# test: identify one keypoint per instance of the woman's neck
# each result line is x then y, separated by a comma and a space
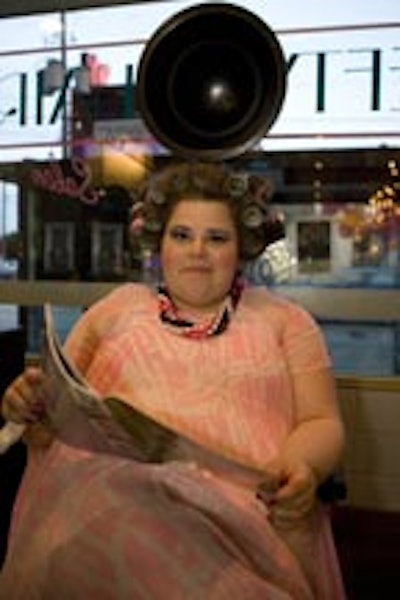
196, 313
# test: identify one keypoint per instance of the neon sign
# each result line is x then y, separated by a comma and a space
77, 184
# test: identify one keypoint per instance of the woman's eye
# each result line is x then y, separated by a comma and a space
183, 234
218, 237
179, 234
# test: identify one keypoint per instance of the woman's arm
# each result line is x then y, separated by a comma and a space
318, 435
311, 451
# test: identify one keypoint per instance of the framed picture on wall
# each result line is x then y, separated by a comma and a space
107, 249
314, 246
59, 247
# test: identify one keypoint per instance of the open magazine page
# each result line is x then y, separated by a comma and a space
80, 418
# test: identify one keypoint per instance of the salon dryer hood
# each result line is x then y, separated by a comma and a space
211, 82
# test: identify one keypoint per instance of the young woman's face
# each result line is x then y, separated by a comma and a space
199, 254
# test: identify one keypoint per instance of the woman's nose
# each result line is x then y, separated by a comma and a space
198, 246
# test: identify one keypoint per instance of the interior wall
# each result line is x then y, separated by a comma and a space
371, 469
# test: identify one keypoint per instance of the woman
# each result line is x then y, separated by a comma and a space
240, 375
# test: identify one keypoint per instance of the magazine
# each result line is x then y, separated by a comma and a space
79, 417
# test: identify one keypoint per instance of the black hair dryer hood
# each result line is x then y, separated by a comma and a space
211, 82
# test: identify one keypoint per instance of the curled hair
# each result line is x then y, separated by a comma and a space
246, 195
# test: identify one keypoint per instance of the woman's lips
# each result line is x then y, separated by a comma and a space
197, 269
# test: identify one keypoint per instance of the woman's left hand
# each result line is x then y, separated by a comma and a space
289, 492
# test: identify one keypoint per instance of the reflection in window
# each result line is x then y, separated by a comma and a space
340, 246
314, 252
9, 235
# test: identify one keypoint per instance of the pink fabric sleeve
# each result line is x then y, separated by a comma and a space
303, 341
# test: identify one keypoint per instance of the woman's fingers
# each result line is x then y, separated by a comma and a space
23, 400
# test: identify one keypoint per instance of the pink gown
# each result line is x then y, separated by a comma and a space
89, 525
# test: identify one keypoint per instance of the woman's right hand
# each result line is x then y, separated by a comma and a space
22, 401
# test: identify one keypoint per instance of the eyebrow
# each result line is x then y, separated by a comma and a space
208, 230
219, 231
